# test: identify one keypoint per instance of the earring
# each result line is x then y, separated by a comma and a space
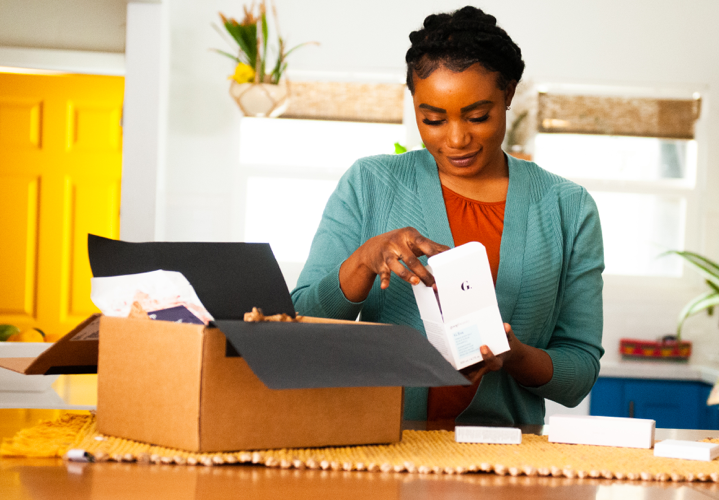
509, 107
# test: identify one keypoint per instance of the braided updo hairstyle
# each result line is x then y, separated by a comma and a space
460, 39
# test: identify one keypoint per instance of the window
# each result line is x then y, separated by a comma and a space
638, 159
288, 170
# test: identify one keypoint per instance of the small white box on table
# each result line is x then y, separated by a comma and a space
487, 435
602, 431
689, 450
464, 313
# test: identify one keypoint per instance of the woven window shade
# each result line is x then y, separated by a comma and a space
359, 102
643, 117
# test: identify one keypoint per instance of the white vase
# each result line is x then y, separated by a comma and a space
261, 99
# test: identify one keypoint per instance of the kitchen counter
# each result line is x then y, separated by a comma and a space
659, 370
67, 392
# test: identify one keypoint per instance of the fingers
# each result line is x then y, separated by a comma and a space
418, 245
394, 264
384, 277
489, 363
475, 374
424, 246
492, 362
417, 270
397, 252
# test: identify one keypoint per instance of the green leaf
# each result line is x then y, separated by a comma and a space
399, 149
235, 31
706, 267
297, 47
237, 59
246, 38
704, 301
265, 35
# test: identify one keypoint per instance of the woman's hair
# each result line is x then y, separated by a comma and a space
460, 39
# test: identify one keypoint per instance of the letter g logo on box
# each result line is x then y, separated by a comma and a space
465, 286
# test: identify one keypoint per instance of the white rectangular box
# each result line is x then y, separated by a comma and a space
689, 450
487, 435
602, 431
463, 315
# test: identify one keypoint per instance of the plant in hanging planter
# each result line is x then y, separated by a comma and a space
257, 85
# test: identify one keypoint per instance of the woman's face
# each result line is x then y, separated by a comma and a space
462, 120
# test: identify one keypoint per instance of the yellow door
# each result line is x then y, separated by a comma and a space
60, 170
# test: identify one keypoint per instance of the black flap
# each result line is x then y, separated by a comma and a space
229, 278
311, 355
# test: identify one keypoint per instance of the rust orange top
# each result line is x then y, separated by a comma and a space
469, 220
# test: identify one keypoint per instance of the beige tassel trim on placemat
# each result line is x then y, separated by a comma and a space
422, 452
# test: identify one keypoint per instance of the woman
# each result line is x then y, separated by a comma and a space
542, 232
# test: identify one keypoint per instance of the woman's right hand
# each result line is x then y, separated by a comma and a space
392, 252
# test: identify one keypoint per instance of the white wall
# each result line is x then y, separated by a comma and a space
142, 215
96, 25
672, 43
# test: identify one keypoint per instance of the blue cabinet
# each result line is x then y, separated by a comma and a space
674, 404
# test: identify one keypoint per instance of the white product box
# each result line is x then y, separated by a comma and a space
488, 435
463, 315
602, 431
690, 450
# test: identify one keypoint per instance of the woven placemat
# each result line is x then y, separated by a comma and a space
422, 452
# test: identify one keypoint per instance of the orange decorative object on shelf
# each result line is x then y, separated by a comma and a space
666, 348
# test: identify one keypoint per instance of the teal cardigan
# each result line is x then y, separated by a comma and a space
549, 284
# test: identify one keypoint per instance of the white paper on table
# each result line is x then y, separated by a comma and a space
114, 295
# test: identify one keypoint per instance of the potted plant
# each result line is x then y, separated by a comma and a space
707, 300
257, 85
672, 346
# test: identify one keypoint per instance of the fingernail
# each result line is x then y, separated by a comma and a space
414, 280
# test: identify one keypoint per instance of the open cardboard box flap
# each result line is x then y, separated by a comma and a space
76, 352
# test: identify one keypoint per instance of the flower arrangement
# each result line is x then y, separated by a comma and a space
252, 37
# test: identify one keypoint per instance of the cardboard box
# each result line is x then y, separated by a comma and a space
172, 384
242, 385
463, 315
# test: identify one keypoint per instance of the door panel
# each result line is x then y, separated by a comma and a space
93, 128
95, 206
19, 208
60, 170
20, 124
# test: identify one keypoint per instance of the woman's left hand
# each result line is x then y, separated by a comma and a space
529, 366
490, 362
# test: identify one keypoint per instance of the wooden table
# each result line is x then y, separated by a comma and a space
24, 479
